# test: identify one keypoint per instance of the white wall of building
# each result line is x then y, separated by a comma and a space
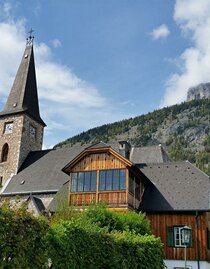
171, 264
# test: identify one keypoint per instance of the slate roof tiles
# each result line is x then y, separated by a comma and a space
175, 186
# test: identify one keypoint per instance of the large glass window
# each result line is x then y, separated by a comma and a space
114, 179
122, 179
83, 181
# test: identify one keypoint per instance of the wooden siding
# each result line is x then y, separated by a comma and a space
132, 201
159, 223
101, 161
82, 199
98, 161
113, 198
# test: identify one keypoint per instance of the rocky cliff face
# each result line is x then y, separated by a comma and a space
199, 92
183, 129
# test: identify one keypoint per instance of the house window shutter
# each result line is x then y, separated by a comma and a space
190, 242
208, 238
170, 236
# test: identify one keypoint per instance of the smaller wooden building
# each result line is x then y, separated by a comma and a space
101, 174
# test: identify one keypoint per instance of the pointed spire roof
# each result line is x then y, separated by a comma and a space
23, 96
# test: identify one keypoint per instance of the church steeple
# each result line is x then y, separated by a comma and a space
21, 127
23, 96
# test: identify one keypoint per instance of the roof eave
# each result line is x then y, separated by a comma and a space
22, 111
28, 192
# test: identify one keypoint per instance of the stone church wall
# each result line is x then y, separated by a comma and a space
13, 139
20, 142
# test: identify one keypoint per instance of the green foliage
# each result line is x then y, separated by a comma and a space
196, 113
104, 239
22, 239
95, 238
146, 124
206, 143
179, 150
124, 221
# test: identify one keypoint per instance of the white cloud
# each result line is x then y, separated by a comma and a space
56, 43
193, 18
161, 31
68, 103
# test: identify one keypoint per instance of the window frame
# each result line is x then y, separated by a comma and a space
119, 183
93, 176
171, 237
8, 131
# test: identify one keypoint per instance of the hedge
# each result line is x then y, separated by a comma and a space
99, 238
23, 239
93, 239
82, 245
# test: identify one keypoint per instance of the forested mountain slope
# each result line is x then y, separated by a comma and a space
183, 129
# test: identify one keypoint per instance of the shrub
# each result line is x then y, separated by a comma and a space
22, 239
76, 245
120, 221
95, 238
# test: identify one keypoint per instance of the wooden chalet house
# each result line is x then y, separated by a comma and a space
172, 195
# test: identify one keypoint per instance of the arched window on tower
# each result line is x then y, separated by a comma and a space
4, 154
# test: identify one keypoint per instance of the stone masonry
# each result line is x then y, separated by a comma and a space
20, 142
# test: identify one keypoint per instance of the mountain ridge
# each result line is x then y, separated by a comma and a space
183, 129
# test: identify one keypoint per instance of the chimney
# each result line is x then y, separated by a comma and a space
124, 149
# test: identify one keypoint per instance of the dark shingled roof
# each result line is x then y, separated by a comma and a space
23, 96
151, 154
175, 186
41, 171
101, 144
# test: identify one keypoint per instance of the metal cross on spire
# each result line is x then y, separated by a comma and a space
30, 38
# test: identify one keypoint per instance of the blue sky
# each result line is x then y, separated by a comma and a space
102, 61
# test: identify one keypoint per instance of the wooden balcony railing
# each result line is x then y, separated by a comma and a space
110, 198
80, 199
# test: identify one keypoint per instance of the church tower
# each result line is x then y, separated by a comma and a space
21, 127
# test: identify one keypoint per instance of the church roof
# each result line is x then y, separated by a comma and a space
42, 170
175, 186
23, 96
